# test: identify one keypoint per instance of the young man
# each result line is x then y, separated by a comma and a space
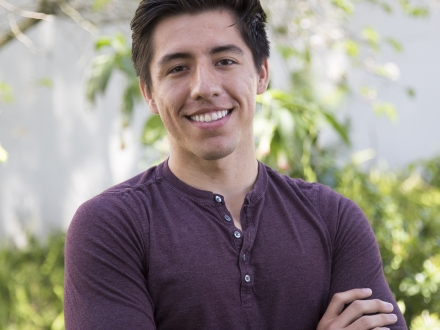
211, 238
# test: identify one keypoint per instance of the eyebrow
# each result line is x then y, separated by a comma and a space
185, 55
227, 48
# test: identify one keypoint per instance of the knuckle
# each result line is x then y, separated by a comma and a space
332, 326
338, 297
366, 321
357, 305
378, 304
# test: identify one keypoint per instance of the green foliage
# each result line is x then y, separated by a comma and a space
286, 129
413, 10
31, 285
426, 321
404, 210
103, 66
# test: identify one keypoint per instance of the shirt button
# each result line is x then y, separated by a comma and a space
247, 278
218, 199
237, 234
243, 257
227, 218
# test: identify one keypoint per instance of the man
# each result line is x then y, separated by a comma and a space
211, 238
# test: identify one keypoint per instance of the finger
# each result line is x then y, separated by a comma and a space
363, 307
341, 299
373, 322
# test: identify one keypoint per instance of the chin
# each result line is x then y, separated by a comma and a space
216, 154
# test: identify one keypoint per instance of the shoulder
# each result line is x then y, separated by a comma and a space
318, 194
119, 208
338, 212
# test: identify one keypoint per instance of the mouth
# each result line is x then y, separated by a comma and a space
210, 116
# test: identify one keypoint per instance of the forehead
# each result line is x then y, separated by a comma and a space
195, 32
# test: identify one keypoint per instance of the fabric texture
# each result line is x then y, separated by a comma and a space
155, 253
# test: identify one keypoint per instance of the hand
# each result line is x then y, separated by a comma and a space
353, 317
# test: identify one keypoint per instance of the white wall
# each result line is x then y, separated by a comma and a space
416, 133
61, 152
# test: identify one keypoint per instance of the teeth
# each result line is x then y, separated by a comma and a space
213, 116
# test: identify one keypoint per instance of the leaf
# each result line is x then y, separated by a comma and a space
397, 46
101, 71
341, 130
285, 124
127, 106
99, 4
5, 93
351, 48
287, 52
346, 5
3, 154
410, 9
153, 130
411, 92
372, 37
119, 44
102, 42
385, 109
45, 82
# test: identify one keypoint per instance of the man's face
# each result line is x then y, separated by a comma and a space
204, 84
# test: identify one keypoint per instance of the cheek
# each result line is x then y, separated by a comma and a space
245, 86
171, 101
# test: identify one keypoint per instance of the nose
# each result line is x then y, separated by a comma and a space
206, 83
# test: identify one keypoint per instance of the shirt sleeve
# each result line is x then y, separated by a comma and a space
106, 266
356, 258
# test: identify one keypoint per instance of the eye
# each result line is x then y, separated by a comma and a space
178, 69
225, 62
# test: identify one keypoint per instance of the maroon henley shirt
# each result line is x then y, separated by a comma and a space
155, 253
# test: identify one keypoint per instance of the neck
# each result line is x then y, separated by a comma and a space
230, 176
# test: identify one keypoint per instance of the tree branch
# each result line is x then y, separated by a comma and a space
19, 34
45, 11
23, 26
77, 17
25, 13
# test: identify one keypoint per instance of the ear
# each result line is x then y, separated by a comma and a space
148, 97
263, 77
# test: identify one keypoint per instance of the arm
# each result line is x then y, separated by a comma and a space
105, 268
356, 263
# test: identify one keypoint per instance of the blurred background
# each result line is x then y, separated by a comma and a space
353, 103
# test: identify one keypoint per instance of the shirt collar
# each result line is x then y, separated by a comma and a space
203, 195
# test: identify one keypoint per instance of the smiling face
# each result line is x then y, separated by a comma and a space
204, 85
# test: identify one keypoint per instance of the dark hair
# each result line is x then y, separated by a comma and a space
251, 24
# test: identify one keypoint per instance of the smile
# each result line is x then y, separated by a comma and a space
212, 116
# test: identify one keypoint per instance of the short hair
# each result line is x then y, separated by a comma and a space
251, 22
